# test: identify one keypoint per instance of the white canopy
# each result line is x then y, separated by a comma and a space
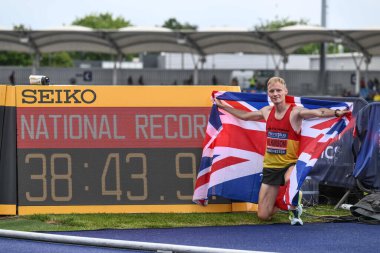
203, 42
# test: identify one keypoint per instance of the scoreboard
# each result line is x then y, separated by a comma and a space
83, 149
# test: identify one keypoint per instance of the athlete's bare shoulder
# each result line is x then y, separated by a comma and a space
266, 111
297, 109
295, 118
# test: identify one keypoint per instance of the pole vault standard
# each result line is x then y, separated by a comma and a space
109, 243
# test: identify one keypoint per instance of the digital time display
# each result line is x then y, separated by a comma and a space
107, 176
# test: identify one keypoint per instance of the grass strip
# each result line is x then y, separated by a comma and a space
72, 222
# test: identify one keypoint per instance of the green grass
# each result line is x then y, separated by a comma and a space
70, 222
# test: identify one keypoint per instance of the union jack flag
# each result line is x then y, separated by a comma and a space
233, 149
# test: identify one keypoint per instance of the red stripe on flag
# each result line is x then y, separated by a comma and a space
231, 160
325, 124
206, 140
237, 105
242, 139
314, 148
205, 179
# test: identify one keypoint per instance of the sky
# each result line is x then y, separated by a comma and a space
341, 14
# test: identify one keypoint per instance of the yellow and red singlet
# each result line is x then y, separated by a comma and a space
282, 141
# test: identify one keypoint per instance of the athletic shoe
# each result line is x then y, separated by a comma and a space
295, 215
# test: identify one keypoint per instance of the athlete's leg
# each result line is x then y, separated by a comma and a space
267, 198
280, 203
288, 173
295, 211
287, 178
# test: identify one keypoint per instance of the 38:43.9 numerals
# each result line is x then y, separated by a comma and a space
111, 167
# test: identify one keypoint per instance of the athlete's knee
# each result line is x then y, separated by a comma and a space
264, 216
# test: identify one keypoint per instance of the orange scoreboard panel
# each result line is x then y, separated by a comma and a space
8, 166
115, 149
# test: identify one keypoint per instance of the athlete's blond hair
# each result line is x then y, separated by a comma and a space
276, 79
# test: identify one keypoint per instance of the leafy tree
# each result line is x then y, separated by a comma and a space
279, 23
102, 21
21, 28
58, 59
311, 48
174, 24
10, 58
99, 21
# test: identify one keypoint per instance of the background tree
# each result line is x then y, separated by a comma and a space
311, 48
102, 21
57, 59
99, 21
9, 58
276, 24
174, 24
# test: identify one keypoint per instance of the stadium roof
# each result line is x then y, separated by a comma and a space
203, 42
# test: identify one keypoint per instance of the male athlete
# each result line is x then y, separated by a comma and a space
283, 127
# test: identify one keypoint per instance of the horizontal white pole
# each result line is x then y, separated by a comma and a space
110, 243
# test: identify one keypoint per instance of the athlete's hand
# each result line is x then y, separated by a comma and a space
340, 113
218, 103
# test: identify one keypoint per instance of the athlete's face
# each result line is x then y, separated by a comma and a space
277, 92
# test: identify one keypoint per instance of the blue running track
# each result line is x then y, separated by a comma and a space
313, 237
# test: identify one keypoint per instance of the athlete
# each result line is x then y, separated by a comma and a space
283, 127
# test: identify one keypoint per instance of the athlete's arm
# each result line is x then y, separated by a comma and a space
244, 115
321, 113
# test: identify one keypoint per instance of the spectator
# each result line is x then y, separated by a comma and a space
73, 80
362, 82
376, 83
260, 88
12, 78
371, 89
141, 80
252, 82
346, 93
363, 92
188, 81
191, 80
376, 98
370, 84
130, 80
214, 80
234, 81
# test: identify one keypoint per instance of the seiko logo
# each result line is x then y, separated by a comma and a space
41, 96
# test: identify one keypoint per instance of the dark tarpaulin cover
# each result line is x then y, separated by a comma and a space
336, 164
368, 209
367, 167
